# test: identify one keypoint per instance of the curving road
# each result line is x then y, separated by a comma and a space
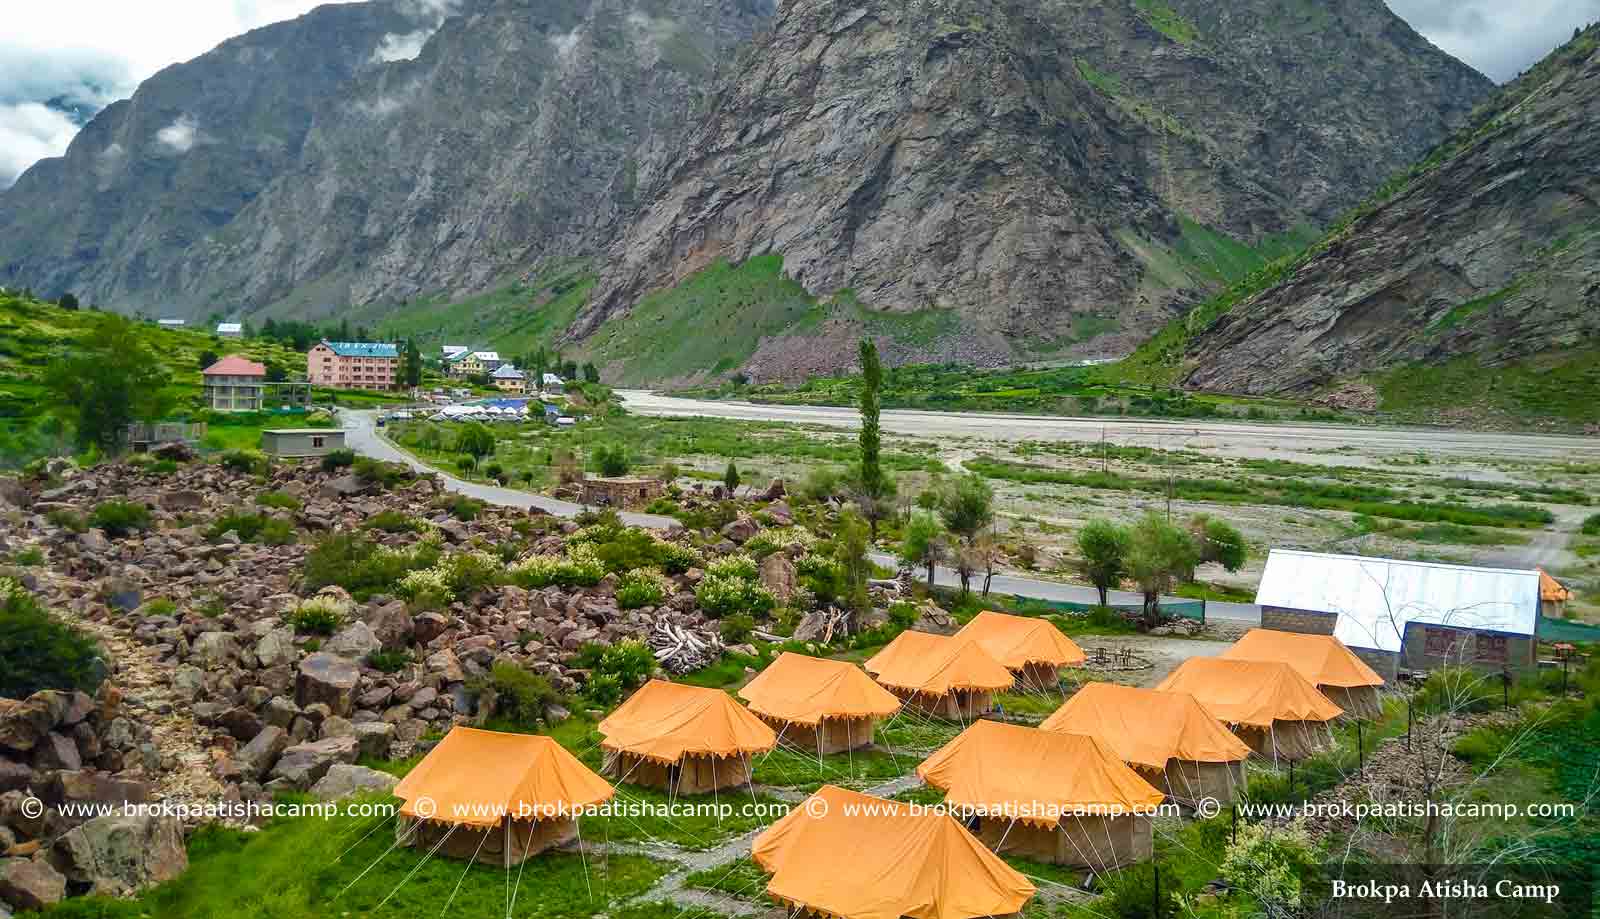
361, 435
1228, 437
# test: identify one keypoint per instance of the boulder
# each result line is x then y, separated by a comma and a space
276, 648
778, 575
345, 486
774, 491
14, 774
175, 450
741, 529
84, 785
374, 739
354, 641
427, 626
343, 780
930, 618
180, 500
24, 723
329, 679
213, 649
30, 884
446, 665
56, 751
120, 855
391, 623
302, 765
263, 750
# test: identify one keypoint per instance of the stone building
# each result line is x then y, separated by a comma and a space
620, 492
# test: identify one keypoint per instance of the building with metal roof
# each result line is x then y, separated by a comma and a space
1398, 614
363, 348
230, 329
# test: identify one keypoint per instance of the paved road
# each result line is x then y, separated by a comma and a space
361, 435
1236, 438
1033, 589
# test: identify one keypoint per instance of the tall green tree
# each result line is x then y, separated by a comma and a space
730, 478
1217, 541
475, 440
966, 507
108, 382
540, 363
1103, 555
923, 545
591, 373
850, 542
411, 365
1159, 554
876, 488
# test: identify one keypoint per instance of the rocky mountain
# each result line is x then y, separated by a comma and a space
1489, 250
1039, 168
390, 148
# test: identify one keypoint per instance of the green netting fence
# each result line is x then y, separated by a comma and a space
1181, 609
1562, 630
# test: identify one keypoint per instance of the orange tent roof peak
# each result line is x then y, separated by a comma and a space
1017, 641
1252, 693
846, 854
1146, 727
1036, 776
480, 777
667, 721
1322, 659
1551, 589
937, 664
805, 690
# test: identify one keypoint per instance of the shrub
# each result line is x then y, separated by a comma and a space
603, 690
395, 522
389, 661
364, 568
769, 541
1591, 525
643, 587
377, 472
318, 616
520, 695
1130, 893
724, 596
120, 518
335, 460
426, 587
278, 499
258, 528
736, 629
821, 483
38, 651
496, 472
578, 568
462, 507
28, 557
627, 550
466, 463
245, 462
277, 531
734, 566
67, 520
630, 661
1272, 866
160, 606
903, 615
676, 558
611, 460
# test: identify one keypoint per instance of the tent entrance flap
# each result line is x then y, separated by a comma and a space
489, 845
689, 775
1188, 782
830, 735
1360, 702
1285, 740
1096, 843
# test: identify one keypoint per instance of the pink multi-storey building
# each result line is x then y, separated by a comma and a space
354, 365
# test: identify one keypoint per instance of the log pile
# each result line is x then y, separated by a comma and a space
680, 650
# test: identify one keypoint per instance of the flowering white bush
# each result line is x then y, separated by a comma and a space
724, 595
733, 566
767, 542
536, 571
427, 585
320, 615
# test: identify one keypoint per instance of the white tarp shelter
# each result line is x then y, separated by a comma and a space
1376, 599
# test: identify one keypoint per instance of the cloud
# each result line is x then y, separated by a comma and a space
405, 46
179, 137
565, 43
29, 132
1499, 38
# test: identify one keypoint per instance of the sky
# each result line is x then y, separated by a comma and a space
94, 52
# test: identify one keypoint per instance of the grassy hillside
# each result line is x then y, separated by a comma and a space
516, 317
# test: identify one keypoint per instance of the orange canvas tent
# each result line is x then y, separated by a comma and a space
853, 856
496, 797
1332, 667
818, 704
1274, 709
1033, 649
1553, 596
940, 674
1168, 736
1060, 798
683, 738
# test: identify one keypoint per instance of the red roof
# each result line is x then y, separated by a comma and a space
235, 366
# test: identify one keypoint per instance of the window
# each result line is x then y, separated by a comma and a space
1442, 642
316, 442
1492, 649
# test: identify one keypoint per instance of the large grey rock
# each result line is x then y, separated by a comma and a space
263, 750
302, 765
354, 641
276, 648
374, 739
328, 679
30, 884
213, 649
391, 623
24, 723
343, 780
120, 855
